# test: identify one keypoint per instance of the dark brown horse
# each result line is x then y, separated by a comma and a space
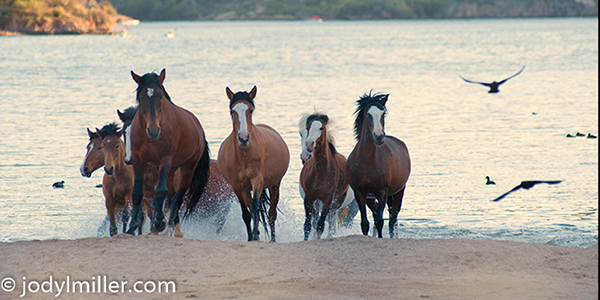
216, 199
171, 138
253, 158
323, 176
379, 164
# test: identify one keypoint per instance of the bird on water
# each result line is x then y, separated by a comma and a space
527, 185
59, 184
489, 181
495, 84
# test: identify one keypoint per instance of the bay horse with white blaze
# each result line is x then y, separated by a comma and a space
172, 139
323, 176
379, 164
349, 207
253, 158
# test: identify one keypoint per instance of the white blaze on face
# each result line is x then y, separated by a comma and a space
240, 110
376, 113
316, 128
128, 144
90, 148
305, 155
150, 92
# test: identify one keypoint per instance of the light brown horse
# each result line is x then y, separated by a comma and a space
94, 157
323, 176
253, 158
216, 200
117, 182
379, 164
170, 138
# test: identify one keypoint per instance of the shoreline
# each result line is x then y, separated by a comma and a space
349, 267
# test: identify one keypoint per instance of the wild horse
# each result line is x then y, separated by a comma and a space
379, 164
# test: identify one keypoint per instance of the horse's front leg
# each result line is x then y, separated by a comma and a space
309, 210
378, 213
136, 199
160, 193
174, 224
245, 200
394, 206
125, 217
324, 214
257, 190
361, 200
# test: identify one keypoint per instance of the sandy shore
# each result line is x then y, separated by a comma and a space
352, 267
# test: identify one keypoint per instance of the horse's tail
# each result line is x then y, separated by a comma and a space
263, 208
199, 181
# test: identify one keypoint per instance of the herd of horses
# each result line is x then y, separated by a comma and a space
159, 164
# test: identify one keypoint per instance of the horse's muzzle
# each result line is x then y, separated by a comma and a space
109, 171
378, 138
243, 139
127, 161
86, 172
153, 135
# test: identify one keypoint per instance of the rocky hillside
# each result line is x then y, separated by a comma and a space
57, 17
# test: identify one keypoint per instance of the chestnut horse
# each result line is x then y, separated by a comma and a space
323, 176
349, 208
379, 164
117, 182
94, 157
253, 158
171, 138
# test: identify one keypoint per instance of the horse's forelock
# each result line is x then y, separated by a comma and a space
128, 115
109, 129
241, 96
147, 80
321, 117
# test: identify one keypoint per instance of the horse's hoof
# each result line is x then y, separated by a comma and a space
159, 226
169, 232
178, 231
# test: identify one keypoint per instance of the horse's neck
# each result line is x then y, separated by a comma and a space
322, 154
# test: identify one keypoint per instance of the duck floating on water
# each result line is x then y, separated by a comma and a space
489, 181
59, 184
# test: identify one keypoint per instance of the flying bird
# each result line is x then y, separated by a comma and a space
527, 185
494, 85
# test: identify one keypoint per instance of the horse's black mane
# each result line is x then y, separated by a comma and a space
128, 115
240, 96
364, 103
147, 80
109, 129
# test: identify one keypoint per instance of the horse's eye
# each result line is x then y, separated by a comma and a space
100, 148
117, 147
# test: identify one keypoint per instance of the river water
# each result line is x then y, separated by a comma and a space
54, 87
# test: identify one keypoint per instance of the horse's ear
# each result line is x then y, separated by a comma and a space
120, 133
90, 134
384, 99
136, 77
162, 76
121, 115
253, 93
229, 93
